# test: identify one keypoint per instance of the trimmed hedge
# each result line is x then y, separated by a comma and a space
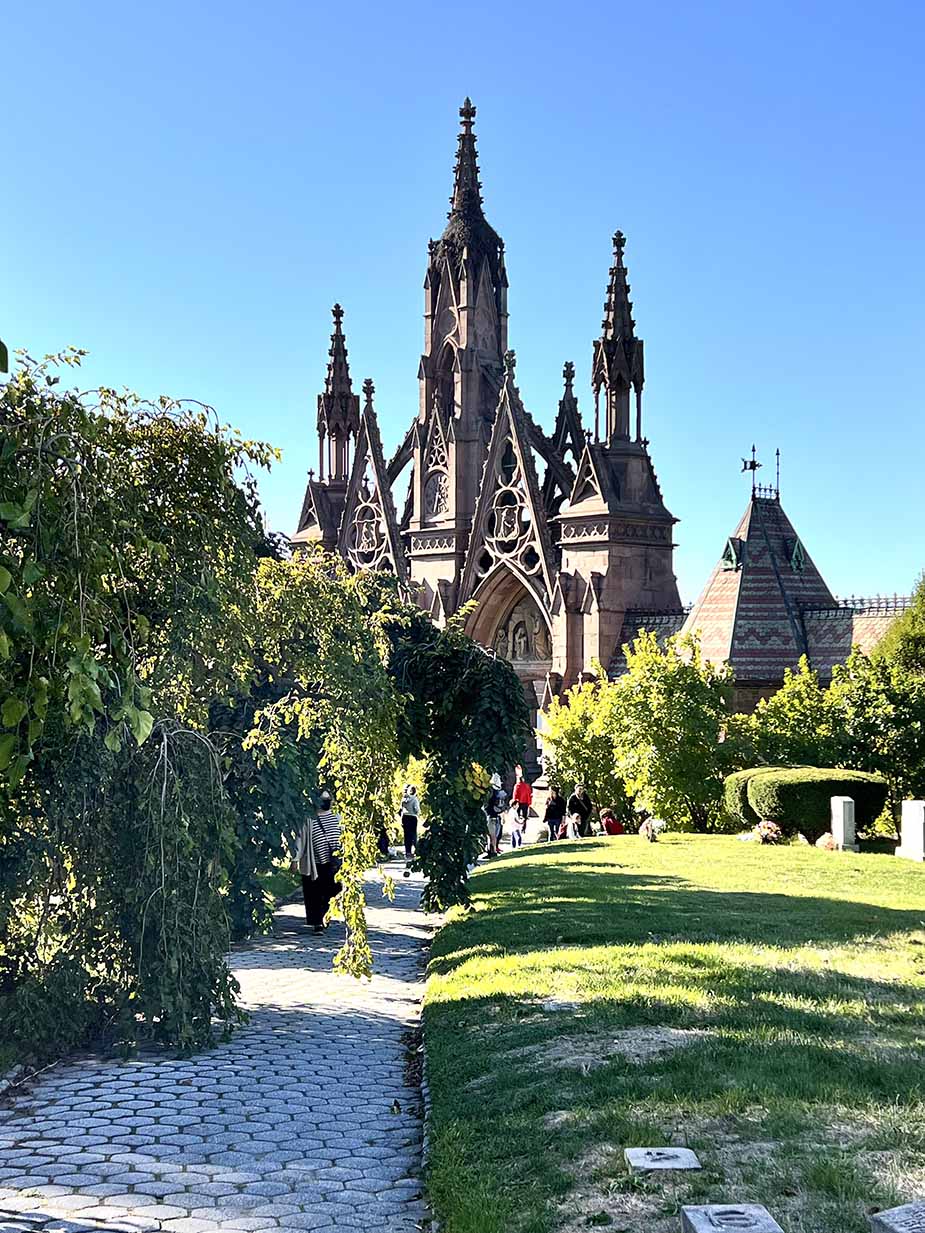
735, 794
799, 799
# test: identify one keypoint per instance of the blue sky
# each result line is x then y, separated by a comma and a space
188, 189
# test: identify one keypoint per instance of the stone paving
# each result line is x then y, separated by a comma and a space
303, 1120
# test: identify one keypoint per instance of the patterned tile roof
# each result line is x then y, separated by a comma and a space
751, 611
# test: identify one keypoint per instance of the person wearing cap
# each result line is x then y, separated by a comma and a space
318, 861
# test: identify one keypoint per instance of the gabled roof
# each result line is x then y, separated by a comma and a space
369, 536
510, 526
321, 512
751, 612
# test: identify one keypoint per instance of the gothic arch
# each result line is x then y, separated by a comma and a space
497, 595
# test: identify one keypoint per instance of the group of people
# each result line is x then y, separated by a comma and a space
317, 857
564, 818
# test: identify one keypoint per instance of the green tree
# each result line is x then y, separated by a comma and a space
462, 709
578, 742
797, 726
904, 642
878, 706
667, 724
127, 540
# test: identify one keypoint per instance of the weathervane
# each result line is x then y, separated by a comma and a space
751, 464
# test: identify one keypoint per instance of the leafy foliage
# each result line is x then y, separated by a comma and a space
127, 541
464, 710
903, 645
658, 729
578, 738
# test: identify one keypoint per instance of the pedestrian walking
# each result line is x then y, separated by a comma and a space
318, 862
410, 812
554, 813
522, 796
494, 807
516, 823
580, 807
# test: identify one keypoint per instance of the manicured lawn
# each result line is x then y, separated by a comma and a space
763, 1006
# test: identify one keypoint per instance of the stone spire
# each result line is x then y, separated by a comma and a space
467, 229
467, 187
618, 355
338, 408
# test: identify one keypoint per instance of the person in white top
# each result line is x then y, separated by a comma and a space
410, 812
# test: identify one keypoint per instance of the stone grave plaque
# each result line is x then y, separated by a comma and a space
910, 1218
748, 1217
649, 1159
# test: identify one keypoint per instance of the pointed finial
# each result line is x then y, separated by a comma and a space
619, 243
568, 372
467, 114
368, 390
751, 464
338, 314
311, 474
510, 363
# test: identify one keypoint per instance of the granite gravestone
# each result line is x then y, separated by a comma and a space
842, 826
912, 841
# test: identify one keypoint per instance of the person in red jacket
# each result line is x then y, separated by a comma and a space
522, 796
611, 825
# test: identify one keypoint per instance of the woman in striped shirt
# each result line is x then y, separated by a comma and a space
317, 860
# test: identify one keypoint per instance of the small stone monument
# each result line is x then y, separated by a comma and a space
910, 1218
650, 1159
912, 831
843, 824
729, 1216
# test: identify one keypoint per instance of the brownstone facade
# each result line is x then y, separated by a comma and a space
563, 540
557, 537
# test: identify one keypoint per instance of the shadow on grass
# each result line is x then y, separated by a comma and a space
575, 903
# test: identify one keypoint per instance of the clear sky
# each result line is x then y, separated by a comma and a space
187, 189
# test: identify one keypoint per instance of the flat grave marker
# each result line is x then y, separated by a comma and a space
651, 1159
749, 1217
910, 1218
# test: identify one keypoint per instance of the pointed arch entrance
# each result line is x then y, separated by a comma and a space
511, 620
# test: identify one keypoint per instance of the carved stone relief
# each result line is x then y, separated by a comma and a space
522, 636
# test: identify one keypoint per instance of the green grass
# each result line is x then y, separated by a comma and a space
803, 974
280, 882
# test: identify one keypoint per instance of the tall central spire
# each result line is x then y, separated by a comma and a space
467, 188
467, 227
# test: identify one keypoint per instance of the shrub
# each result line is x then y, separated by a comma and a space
735, 794
798, 799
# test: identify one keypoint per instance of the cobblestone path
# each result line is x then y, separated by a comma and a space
302, 1121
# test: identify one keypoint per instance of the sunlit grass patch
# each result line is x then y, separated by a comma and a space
793, 982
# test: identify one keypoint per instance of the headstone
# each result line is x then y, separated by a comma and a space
843, 824
648, 1159
730, 1216
910, 1218
912, 831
